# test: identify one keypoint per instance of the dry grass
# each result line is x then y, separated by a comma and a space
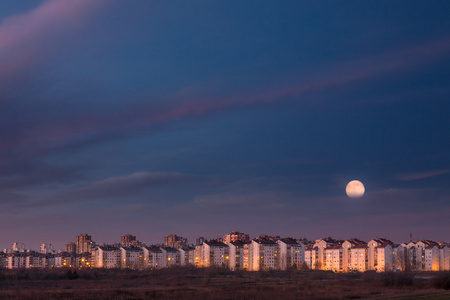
191, 283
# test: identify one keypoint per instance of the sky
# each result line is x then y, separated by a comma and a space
197, 118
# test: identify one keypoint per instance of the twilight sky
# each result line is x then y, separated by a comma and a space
202, 117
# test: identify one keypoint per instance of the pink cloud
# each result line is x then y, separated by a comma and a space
421, 175
26, 38
65, 130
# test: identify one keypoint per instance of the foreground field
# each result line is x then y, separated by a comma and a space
190, 283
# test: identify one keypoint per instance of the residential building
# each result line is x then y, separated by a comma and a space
199, 241
444, 256
236, 254
171, 257
84, 243
66, 260
15, 260
214, 253
187, 256
71, 247
175, 241
317, 255
127, 240
3, 260
291, 253
46, 248
18, 247
347, 245
333, 258
153, 257
359, 258
84, 260
236, 236
50, 260
132, 258
263, 255
422, 255
107, 257
386, 258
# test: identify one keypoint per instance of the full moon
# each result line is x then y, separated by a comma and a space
355, 189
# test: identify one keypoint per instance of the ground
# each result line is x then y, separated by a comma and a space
191, 283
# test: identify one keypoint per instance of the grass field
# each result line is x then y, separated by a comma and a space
191, 283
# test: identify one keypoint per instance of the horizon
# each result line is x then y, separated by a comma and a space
200, 117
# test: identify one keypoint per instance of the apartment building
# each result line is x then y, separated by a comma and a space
444, 256
359, 258
153, 257
214, 253
15, 260
347, 245
290, 253
35, 260
84, 243
237, 255
236, 236
132, 258
187, 256
333, 258
107, 257
263, 255
175, 241
171, 257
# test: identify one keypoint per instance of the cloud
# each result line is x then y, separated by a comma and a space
91, 127
28, 174
126, 185
29, 38
421, 175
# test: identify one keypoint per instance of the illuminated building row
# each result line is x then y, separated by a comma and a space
237, 252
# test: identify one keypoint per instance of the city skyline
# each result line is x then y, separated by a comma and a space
126, 240
202, 117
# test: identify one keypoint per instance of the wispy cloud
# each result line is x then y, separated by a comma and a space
29, 38
72, 132
421, 175
126, 185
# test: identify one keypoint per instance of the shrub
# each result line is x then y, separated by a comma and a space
442, 281
398, 279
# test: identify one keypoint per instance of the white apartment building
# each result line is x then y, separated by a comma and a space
153, 257
187, 256
373, 252
15, 260
214, 253
312, 257
444, 257
263, 255
107, 257
317, 256
132, 258
333, 258
423, 255
171, 256
237, 255
35, 260
384, 256
346, 252
359, 258
64, 259
290, 253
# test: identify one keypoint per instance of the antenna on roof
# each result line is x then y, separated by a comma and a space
410, 237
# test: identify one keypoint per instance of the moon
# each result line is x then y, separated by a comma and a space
355, 189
